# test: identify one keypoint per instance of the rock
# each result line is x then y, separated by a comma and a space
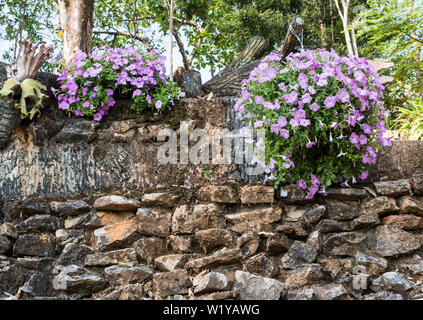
250, 247
154, 222
337, 268
278, 244
73, 254
126, 257
294, 213
417, 182
210, 282
253, 226
299, 253
128, 292
117, 235
411, 205
11, 275
150, 248
374, 265
30, 207
192, 84
304, 276
36, 244
262, 215
340, 211
212, 238
107, 218
393, 188
37, 285
346, 193
244, 238
77, 131
64, 236
8, 230
380, 206
185, 221
222, 257
344, 244
219, 194
5, 245
251, 287
313, 214
116, 203
328, 225
330, 292
383, 296
123, 275
224, 295
293, 194
392, 241
365, 221
75, 279
257, 194
180, 244
394, 281
404, 221
172, 261
261, 265
36, 263
70, 207
302, 294
415, 269
160, 199
40, 223
171, 283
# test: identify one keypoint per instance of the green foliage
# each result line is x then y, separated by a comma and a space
410, 119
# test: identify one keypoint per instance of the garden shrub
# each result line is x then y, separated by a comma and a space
89, 83
322, 117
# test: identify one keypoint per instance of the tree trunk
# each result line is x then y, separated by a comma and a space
76, 19
291, 39
171, 13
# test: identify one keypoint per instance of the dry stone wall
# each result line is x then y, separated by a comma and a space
88, 213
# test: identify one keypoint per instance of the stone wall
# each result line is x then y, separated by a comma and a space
218, 241
88, 213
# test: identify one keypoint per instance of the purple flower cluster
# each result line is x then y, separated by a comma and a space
316, 100
88, 83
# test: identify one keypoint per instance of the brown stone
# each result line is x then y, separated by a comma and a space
173, 261
35, 244
344, 244
392, 241
393, 188
180, 244
224, 295
331, 291
248, 286
119, 257
160, 199
365, 221
278, 244
116, 203
346, 193
150, 248
417, 182
261, 265
292, 229
154, 222
257, 194
107, 218
337, 268
222, 257
128, 292
262, 215
293, 194
404, 221
123, 275
299, 254
171, 283
374, 265
380, 206
219, 194
340, 211
294, 213
117, 235
411, 205
306, 275
213, 238
187, 221
253, 226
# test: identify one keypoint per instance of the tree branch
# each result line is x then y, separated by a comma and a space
181, 47
140, 38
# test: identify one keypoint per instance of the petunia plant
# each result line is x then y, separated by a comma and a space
322, 116
89, 84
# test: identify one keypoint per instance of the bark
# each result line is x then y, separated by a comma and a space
297, 26
171, 5
344, 17
76, 19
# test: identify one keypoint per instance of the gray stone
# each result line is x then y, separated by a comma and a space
414, 268
73, 254
313, 214
261, 265
70, 207
210, 282
302, 294
330, 292
293, 194
394, 281
392, 241
116, 203
160, 199
383, 296
393, 188
251, 287
380, 205
213, 238
192, 84
123, 275
366, 220
171, 283
221, 257
123, 257
154, 222
37, 285
37, 244
172, 262
344, 244
75, 279
40, 223
374, 265
8, 230
340, 211
262, 215
328, 225
128, 292
77, 131
31, 207
5, 244
304, 276
43, 265
346, 193
298, 255
11, 275
150, 248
